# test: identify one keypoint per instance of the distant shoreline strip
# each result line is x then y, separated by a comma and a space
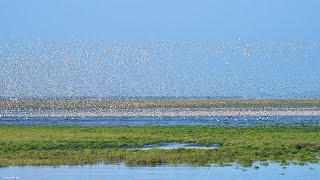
163, 112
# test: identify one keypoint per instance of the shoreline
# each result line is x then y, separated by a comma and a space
150, 104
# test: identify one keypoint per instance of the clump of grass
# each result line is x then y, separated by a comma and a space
264, 163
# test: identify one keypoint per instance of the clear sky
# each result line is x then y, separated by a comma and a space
162, 19
225, 48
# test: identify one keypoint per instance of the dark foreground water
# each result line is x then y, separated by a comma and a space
120, 171
238, 121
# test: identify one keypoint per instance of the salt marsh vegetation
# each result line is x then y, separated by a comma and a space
25, 146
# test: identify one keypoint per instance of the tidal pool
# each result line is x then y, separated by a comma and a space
120, 171
233, 121
168, 146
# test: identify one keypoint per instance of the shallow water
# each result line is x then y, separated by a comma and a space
168, 146
236, 121
120, 171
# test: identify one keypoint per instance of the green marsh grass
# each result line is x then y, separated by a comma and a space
21, 146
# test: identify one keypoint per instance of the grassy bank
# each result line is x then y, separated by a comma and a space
77, 145
145, 104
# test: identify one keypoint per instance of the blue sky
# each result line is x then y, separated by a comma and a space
248, 48
163, 19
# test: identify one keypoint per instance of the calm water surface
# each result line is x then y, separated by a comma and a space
120, 171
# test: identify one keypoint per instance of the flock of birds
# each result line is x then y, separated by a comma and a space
72, 68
